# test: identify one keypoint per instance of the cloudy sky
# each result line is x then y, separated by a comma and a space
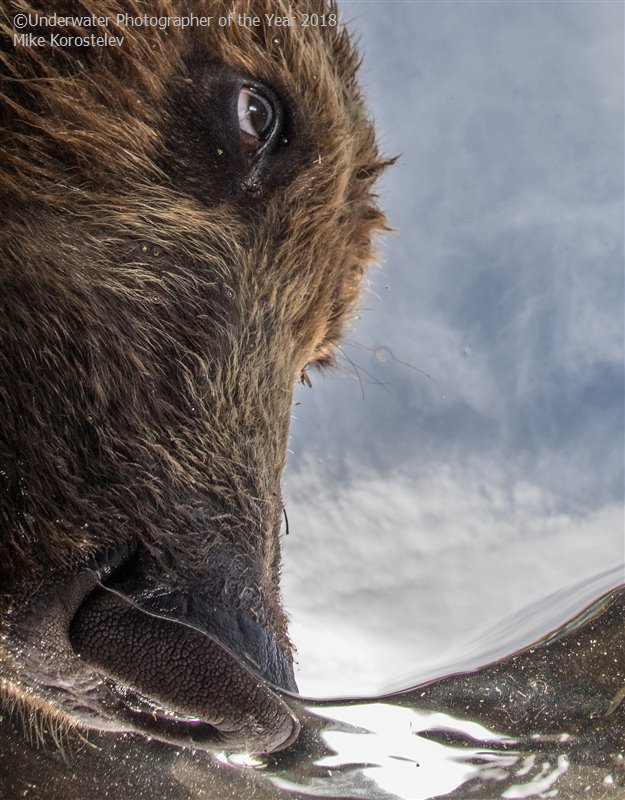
466, 461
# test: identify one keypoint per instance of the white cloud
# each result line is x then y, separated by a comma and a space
382, 577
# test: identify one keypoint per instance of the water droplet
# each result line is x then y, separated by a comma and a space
382, 355
156, 251
276, 40
144, 248
251, 185
155, 298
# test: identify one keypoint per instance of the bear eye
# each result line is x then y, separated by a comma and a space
257, 117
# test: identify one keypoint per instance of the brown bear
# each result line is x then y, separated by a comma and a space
187, 217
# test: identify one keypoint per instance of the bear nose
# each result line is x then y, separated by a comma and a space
181, 672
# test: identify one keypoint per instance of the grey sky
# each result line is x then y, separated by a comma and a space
424, 508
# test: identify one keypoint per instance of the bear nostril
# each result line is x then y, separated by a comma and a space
182, 670
114, 560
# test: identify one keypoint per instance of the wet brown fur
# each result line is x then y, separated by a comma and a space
152, 333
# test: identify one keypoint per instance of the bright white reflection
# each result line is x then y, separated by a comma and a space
406, 764
241, 760
541, 783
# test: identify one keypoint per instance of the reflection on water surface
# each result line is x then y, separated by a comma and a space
545, 722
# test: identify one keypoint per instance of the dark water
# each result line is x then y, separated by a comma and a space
548, 721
